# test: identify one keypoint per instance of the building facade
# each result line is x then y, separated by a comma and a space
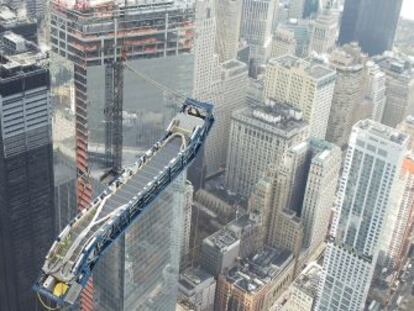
324, 32
348, 93
259, 136
284, 42
306, 86
27, 212
375, 91
372, 23
368, 183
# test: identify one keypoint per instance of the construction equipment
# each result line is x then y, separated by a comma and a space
74, 254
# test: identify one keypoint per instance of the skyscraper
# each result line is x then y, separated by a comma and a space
296, 8
259, 136
368, 181
256, 29
375, 90
399, 89
324, 31
27, 215
228, 18
305, 186
348, 94
284, 42
306, 86
372, 23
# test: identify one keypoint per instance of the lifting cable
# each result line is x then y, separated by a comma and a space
45, 305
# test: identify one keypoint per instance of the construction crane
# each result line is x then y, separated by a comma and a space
76, 251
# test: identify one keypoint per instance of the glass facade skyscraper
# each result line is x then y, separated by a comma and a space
372, 23
27, 218
369, 179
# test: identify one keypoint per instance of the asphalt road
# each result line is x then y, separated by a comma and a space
405, 290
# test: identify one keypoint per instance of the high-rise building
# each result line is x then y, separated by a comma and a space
161, 42
348, 94
302, 30
284, 42
369, 180
372, 23
304, 194
375, 90
233, 84
296, 9
324, 32
228, 19
306, 86
256, 30
259, 136
399, 88
187, 215
27, 214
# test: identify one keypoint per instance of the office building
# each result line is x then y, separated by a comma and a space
324, 32
302, 29
348, 94
233, 84
296, 9
371, 23
306, 86
187, 215
375, 91
260, 136
27, 212
228, 19
368, 183
304, 194
399, 88
17, 22
197, 288
256, 282
284, 42
219, 252
256, 30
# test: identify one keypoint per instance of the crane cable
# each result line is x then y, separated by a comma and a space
155, 83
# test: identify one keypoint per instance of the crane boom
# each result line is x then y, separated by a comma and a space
74, 254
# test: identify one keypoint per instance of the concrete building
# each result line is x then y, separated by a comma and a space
257, 282
302, 294
284, 42
375, 91
256, 30
260, 136
324, 32
306, 86
198, 288
219, 252
187, 213
301, 210
348, 94
233, 83
228, 19
27, 212
371, 23
399, 88
368, 183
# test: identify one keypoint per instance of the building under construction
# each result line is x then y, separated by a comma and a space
109, 34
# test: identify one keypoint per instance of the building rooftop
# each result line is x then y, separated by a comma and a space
308, 280
222, 240
276, 116
395, 64
19, 55
191, 278
254, 273
382, 131
314, 70
10, 17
